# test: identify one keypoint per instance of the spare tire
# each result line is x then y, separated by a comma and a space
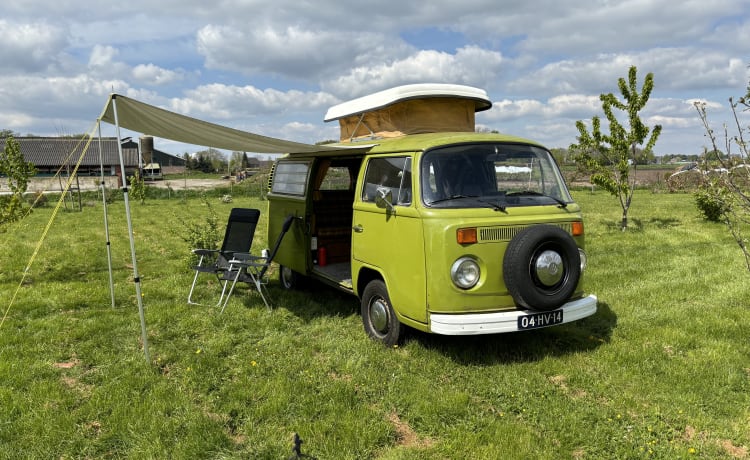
541, 267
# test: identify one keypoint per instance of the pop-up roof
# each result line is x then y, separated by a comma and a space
410, 109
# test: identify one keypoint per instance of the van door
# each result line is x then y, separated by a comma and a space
388, 238
288, 196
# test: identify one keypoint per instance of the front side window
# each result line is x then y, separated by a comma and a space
391, 174
492, 174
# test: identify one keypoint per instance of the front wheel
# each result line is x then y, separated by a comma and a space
378, 317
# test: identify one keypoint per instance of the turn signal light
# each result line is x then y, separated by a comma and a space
577, 228
466, 235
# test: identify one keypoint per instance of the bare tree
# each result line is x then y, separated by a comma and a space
728, 176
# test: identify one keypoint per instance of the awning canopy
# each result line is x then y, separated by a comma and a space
148, 119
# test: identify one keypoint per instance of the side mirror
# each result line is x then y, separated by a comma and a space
384, 199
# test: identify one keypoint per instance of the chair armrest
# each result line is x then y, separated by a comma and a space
205, 252
243, 256
248, 260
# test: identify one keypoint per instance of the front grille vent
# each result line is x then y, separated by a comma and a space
496, 234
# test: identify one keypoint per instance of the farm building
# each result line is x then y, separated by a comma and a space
50, 154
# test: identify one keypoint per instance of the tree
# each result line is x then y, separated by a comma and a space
727, 187
238, 161
18, 173
211, 160
137, 187
4, 133
610, 158
560, 155
188, 161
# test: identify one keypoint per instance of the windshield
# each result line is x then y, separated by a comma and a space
494, 175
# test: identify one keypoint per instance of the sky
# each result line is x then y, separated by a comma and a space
275, 67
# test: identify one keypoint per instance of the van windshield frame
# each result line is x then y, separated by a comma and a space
492, 174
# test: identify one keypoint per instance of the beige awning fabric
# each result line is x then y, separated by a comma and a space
148, 119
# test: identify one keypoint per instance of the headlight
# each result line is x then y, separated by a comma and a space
584, 261
465, 272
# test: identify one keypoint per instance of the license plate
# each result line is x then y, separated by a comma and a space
542, 319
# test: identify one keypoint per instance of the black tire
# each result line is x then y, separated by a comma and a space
289, 279
542, 267
378, 317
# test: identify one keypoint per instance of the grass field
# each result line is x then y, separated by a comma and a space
661, 371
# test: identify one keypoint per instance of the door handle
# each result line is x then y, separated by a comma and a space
358, 228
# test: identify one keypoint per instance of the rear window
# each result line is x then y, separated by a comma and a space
290, 177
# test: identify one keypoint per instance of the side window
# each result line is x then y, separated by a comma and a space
389, 174
290, 177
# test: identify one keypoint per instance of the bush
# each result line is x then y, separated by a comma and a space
201, 235
711, 201
37, 199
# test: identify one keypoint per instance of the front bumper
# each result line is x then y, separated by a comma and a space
506, 321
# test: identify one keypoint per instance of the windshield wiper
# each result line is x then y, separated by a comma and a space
495, 206
561, 203
449, 198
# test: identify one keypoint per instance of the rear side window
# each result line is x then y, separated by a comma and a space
389, 174
337, 178
290, 177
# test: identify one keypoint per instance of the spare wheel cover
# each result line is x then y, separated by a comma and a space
541, 267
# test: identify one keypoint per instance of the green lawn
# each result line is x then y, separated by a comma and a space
661, 371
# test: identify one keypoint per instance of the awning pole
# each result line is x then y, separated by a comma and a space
136, 278
106, 223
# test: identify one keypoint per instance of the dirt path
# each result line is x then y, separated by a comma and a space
53, 185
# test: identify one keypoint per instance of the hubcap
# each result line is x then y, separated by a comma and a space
286, 275
549, 268
379, 315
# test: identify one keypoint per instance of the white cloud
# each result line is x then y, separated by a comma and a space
14, 120
151, 74
470, 65
220, 101
31, 47
102, 56
674, 69
291, 51
571, 105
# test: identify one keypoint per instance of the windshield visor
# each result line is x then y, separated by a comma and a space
491, 175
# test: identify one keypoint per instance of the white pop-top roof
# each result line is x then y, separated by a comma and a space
401, 93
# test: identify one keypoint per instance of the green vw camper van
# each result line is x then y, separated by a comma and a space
430, 224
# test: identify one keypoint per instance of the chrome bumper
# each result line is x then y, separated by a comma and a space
506, 321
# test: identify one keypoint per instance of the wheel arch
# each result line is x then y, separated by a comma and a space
365, 275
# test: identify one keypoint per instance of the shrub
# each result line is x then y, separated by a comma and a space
712, 202
37, 199
201, 235
137, 188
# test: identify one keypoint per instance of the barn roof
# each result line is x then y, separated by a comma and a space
58, 151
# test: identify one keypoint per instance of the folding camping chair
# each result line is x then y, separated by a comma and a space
233, 262
253, 268
238, 238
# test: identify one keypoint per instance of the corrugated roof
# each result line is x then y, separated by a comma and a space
56, 151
